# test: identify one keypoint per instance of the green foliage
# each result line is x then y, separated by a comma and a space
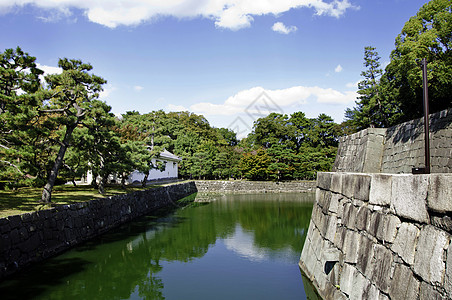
397, 95
19, 101
58, 131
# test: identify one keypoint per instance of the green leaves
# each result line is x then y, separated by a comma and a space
397, 96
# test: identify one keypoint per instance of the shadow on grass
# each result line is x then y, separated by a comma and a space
28, 199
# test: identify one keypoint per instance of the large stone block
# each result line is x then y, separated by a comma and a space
409, 194
362, 218
380, 267
440, 192
356, 186
349, 215
404, 285
365, 256
324, 180
334, 203
336, 183
331, 227
351, 246
346, 281
380, 189
405, 242
388, 228
428, 260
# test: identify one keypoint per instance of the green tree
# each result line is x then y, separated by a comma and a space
273, 129
68, 97
254, 165
19, 101
369, 105
425, 35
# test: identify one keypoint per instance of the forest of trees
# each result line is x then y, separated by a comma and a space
55, 130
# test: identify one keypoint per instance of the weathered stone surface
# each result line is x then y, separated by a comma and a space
349, 215
362, 218
346, 281
376, 220
348, 184
336, 183
405, 242
339, 237
380, 265
331, 227
428, 260
429, 293
388, 228
351, 246
380, 189
409, 194
440, 192
448, 277
334, 203
442, 222
404, 285
365, 256
324, 180
362, 187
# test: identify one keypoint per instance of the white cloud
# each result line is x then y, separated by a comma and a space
231, 14
251, 99
351, 85
338, 69
108, 89
281, 28
49, 69
138, 88
172, 107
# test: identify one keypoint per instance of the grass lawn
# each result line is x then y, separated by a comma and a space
27, 199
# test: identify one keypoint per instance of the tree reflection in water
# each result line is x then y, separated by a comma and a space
126, 263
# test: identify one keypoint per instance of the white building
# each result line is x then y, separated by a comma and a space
171, 162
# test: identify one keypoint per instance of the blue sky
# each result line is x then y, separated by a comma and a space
229, 60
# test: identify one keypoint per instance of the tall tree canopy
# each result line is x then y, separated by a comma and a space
69, 96
19, 100
397, 96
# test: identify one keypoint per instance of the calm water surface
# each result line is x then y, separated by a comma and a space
235, 247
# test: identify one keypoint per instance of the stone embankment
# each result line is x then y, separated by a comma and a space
380, 236
253, 187
32, 237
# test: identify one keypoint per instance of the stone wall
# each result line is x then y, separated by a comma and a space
32, 237
239, 186
361, 152
380, 236
398, 149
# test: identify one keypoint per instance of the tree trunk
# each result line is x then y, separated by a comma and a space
47, 192
123, 181
145, 179
101, 188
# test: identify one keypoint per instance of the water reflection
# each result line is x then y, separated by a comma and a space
176, 255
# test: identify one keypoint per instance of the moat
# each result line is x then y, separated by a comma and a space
235, 247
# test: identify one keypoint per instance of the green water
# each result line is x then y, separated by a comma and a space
235, 247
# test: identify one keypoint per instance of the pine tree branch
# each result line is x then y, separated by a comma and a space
12, 165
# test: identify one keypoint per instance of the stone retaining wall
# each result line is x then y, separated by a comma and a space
239, 186
398, 149
35, 236
380, 236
